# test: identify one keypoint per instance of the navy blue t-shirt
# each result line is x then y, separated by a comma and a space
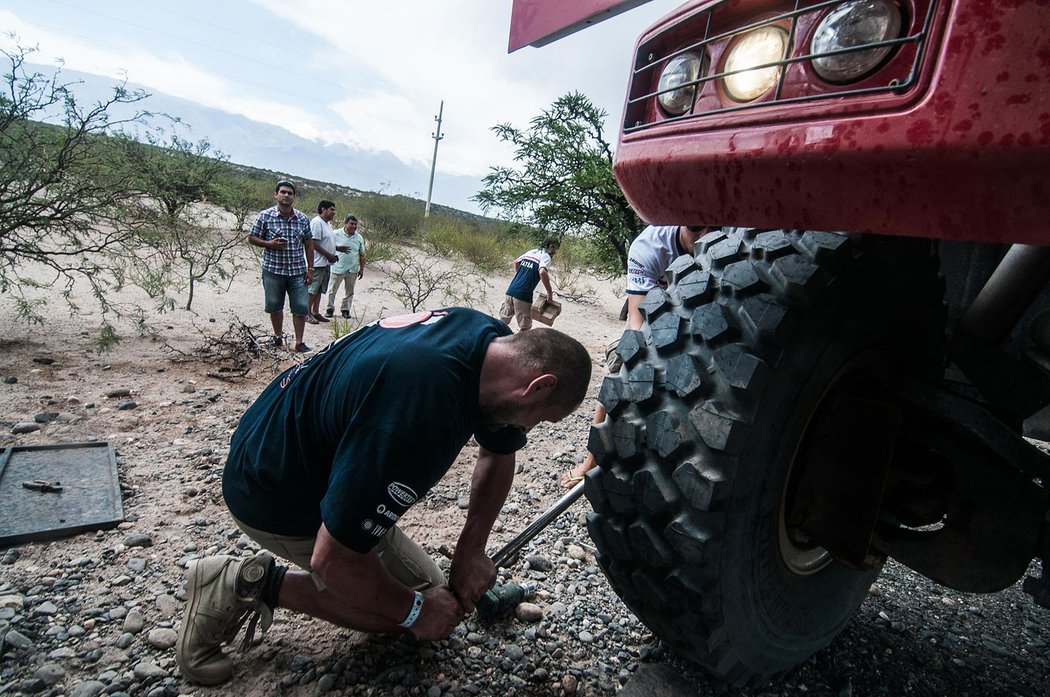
363, 429
528, 274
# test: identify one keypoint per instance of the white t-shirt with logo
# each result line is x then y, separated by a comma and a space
649, 256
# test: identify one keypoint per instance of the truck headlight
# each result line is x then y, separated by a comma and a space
851, 24
680, 70
763, 45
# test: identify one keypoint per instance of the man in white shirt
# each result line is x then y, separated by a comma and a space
324, 255
647, 261
530, 269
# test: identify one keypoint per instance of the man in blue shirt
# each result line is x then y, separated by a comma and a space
529, 270
334, 452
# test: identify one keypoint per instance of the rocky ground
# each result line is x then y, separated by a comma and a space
97, 613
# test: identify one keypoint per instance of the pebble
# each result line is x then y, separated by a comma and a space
134, 622
162, 638
15, 601
10, 380
146, 670
50, 673
45, 608
120, 392
168, 605
576, 552
45, 417
25, 427
18, 640
138, 540
539, 563
91, 688
126, 405
528, 612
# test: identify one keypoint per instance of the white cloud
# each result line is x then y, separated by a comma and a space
173, 75
372, 74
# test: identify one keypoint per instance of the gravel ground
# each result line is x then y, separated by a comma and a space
97, 613
911, 637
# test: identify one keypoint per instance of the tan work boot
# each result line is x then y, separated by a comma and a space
221, 593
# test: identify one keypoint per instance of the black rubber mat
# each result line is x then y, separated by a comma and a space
89, 498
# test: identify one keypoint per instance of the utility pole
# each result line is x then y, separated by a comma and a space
433, 165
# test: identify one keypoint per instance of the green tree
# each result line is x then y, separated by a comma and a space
65, 201
563, 183
243, 197
183, 244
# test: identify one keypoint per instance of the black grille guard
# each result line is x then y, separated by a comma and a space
649, 61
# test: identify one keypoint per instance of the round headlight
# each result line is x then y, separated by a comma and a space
851, 25
680, 70
763, 45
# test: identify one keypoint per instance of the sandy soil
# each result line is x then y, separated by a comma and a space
171, 447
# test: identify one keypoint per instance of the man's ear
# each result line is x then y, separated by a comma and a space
539, 386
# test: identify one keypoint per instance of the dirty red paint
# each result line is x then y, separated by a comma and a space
961, 155
920, 133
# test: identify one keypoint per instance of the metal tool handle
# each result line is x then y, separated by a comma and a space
511, 549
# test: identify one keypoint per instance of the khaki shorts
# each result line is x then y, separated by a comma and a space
613, 360
519, 310
319, 284
404, 559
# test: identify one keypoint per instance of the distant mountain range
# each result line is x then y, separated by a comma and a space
269, 147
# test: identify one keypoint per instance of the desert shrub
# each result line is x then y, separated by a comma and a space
378, 251
341, 327
418, 284
389, 217
451, 238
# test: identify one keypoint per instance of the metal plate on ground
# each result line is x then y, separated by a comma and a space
89, 499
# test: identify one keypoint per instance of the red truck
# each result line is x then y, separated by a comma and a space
801, 404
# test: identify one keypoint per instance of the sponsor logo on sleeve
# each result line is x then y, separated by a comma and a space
401, 493
373, 528
387, 513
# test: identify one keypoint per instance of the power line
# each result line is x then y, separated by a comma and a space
129, 23
121, 49
254, 39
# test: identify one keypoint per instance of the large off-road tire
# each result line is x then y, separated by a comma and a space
707, 420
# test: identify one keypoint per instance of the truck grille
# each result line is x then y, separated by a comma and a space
711, 29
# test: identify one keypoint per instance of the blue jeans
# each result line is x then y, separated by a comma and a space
274, 288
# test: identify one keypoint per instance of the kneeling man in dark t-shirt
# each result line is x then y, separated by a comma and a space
336, 449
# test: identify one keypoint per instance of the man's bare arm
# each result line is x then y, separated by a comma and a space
472, 571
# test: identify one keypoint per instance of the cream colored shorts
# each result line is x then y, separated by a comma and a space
404, 559
520, 310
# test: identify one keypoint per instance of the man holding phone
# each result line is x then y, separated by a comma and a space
287, 262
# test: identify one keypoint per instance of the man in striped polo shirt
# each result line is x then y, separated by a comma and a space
287, 262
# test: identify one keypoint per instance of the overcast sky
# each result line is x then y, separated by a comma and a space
367, 73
